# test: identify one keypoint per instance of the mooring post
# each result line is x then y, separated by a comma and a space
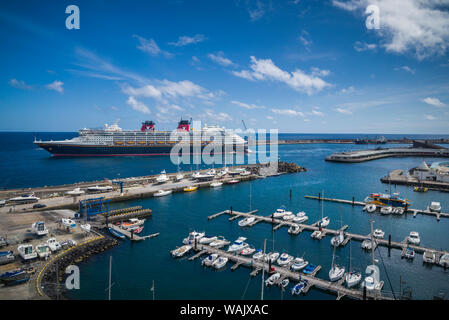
319, 196
195, 242
364, 293
353, 201
231, 210
389, 241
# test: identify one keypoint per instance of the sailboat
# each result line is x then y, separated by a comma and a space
339, 238
324, 222
336, 272
372, 279
353, 277
179, 176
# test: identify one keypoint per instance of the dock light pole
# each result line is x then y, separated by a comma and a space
263, 267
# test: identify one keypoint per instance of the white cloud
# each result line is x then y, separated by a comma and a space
56, 86
433, 102
288, 112
363, 46
137, 105
150, 46
145, 91
256, 10
220, 59
186, 40
19, 84
417, 26
315, 112
430, 117
349, 89
265, 69
305, 39
247, 106
406, 68
343, 111
211, 115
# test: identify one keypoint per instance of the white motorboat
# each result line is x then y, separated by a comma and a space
43, 250
444, 260
162, 178
324, 222
294, 229
132, 223
435, 207
53, 244
216, 184
398, 211
245, 173
414, 238
247, 251
220, 262
272, 279
258, 255
75, 192
299, 264
86, 227
209, 260
223, 172
338, 239
288, 217
27, 252
409, 253
246, 221
316, 234
300, 217
39, 228
429, 256
161, 193
284, 259
379, 234
272, 257
280, 212
365, 207
238, 245
367, 244
211, 172
352, 278
179, 252
371, 208
26, 198
193, 236
68, 223
99, 189
207, 240
386, 210
284, 283
221, 241
179, 177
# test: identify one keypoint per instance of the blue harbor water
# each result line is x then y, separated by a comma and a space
136, 265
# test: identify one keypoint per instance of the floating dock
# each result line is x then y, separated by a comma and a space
334, 287
352, 202
348, 236
130, 235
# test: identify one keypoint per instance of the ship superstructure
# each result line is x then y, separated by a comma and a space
114, 141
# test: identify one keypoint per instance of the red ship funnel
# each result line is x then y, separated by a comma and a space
184, 125
147, 126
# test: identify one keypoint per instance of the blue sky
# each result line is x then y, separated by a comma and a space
299, 66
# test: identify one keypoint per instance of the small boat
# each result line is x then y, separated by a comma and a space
68, 223
434, 207
179, 252
280, 212
220, 262
233, 181
136, 229
75, 192
352, 278
39, 228
367, 244
420, 189
272, 279
161, 193
310, 268
247, 251
316, 234
414, 238
365, 207
131, 223
216, 184
179, 177
14, 277
300, 217
378, 233
298, 288
26, 198
97, 189
53, 244
238, 245
324, 222
386, 210
336, 272
294, 229
190, 188
27, 252
444, 260
162, 178
258, 255
209, 259
43, 250
116, 233
246, 221
299, 264
284, 283
86, 227
6, 257
409, 253
398, 211
221, 241
284, 259
193, 236
288, 216
371, 208
338, 239
272, 256
207, 240
429, 256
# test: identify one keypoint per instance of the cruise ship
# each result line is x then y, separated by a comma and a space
114, 141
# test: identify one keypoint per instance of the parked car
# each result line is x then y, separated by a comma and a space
39, 206
3, 242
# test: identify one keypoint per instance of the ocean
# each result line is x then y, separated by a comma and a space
136, 265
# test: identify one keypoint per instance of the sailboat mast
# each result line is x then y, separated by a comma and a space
263, 268
322, 205
372, 240
110, 270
